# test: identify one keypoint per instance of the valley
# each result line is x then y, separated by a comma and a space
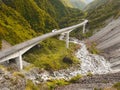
92, 61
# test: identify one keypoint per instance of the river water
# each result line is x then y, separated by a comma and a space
90, 63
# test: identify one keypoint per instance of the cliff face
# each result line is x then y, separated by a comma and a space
104, 28
108, 40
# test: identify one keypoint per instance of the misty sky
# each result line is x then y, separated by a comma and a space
89, 0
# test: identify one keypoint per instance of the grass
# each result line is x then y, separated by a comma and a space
89, 74
52, 84
49, 85
91, 46
50, 55
75, 78
55, 83
3, 68
31, 86
117, 86
18, 74
29, 67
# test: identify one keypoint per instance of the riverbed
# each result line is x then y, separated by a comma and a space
89, 63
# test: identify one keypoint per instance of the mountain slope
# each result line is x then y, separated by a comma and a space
95, 4
99, 16
38, 18
55, 8
105, 28
78, 3
67, 3
13, 27
108, 40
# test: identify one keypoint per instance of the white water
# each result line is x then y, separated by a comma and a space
95, 64
91, 62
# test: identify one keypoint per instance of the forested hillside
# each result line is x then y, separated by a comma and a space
39, 20
67, 3
21, 19
94, 4
13, 27
79, 4
54, 8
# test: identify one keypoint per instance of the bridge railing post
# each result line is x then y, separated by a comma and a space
19, 62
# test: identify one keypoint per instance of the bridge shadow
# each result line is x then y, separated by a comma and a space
10, 65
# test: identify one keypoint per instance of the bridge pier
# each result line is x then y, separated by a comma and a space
8, 61
67, 40
84, 28
19, 62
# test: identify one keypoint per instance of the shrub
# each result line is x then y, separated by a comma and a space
117, 86
76, 78
91, 46
67, 60
98, 89
30, 86
18, 74
3, 68
89, 74
27, 68
54, 83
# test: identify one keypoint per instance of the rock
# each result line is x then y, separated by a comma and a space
10, 82
1, 71
67, 60
5, 88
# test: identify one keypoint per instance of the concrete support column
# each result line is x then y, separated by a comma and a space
8, 61
19, 62
67, 40
84, 28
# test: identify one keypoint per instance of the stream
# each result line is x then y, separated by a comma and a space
90, 63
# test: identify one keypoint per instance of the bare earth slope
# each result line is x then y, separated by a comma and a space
108, 40
95, 81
